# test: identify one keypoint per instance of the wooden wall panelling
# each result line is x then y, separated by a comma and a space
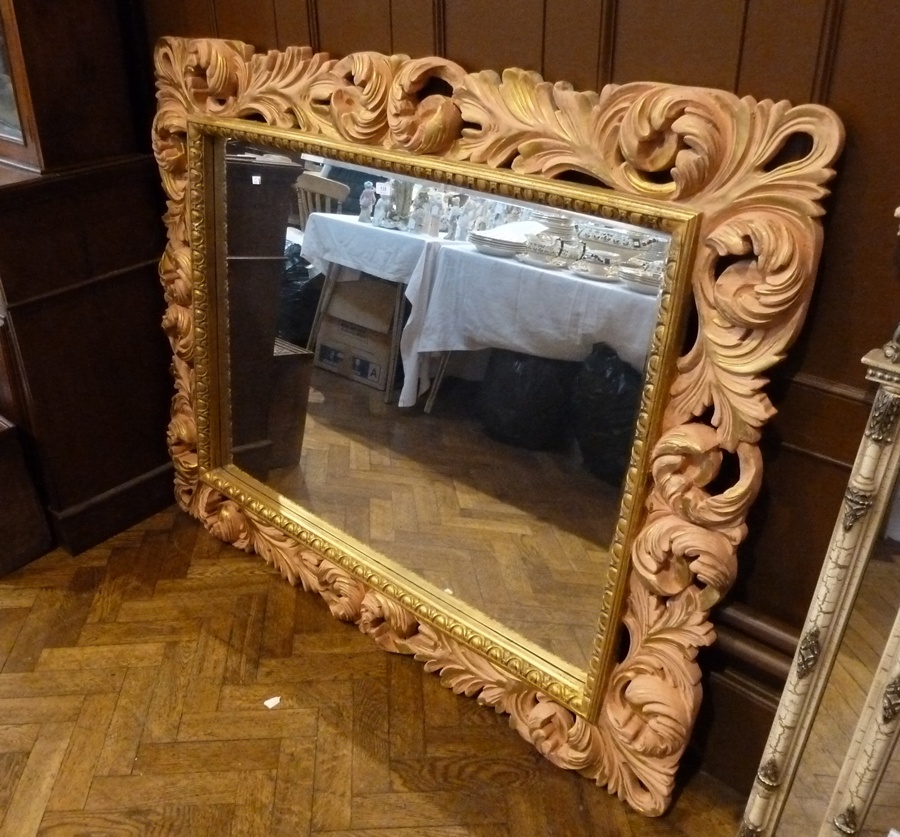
78, 263
24, 533
733, 723
780, 49
688, 42
857, 300
94, 411
572, 42
779, 567
259, 28
292, 22
482, 34
74, 57
347, 26
417, 27
191, 18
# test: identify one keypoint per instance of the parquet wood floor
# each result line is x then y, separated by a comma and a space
132, 681
518, 534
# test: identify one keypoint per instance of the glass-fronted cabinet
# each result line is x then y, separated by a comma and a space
65, 76
10, 123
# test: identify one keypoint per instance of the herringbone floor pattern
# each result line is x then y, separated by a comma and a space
521, 535
132, 681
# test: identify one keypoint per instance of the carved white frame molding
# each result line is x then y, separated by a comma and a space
866, 501
707, 151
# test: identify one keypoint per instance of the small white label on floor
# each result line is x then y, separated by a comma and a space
272, 702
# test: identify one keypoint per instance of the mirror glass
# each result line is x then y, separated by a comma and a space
450, 379
10, 123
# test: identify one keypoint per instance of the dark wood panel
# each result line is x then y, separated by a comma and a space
292, 23
689, 42
200, 18
24, 533
80, 527
347, 26
258, 28
780, 49
415, 29
733, 724
74, 56
74, 228
857, 305
96, 363
29, 262
809, 411
572, 42
790, 527
484, 35
164, 17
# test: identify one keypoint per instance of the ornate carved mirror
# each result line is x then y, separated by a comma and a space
568, 589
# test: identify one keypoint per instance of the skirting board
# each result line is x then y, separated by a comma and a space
80, 527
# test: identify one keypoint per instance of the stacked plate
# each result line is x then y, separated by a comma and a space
639, 279
555, 224
485, 243
504, 241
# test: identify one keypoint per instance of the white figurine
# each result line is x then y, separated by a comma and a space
434, 211
378, 212
418, 212
367, 201
453, 218
466, 219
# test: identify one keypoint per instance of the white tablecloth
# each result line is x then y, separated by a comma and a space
389, 254
468, 300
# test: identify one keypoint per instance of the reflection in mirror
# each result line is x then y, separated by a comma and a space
10, 122
455, 378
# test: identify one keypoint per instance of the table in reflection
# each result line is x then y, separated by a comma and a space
342, 248
467, 300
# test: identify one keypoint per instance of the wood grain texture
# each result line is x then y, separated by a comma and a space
388, 754
689, 42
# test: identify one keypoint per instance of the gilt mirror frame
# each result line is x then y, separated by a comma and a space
709, 163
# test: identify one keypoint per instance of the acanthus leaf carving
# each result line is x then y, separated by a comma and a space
758, 238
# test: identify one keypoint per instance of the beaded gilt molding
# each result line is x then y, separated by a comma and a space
703, 150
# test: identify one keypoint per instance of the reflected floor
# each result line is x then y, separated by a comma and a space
520, 535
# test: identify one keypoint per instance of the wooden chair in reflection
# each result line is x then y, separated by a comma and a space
317, 193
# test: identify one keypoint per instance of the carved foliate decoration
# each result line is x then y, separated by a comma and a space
769, 774
856, 504
808, 653
890, 702
846, 822
883, 418
759, 241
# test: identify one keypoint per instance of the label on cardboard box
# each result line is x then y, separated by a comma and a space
354, 352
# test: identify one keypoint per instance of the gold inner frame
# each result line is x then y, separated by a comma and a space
552, 675
756, 209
